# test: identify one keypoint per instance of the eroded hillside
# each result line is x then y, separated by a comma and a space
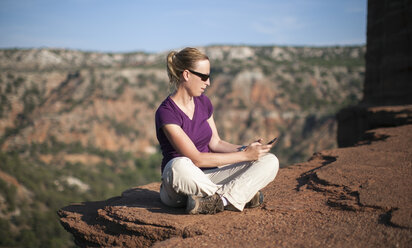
107, 101
79, 126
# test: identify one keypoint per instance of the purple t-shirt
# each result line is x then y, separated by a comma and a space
197, 129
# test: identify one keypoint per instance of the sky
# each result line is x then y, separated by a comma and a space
161, 25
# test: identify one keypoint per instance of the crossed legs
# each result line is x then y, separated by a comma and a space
238, 183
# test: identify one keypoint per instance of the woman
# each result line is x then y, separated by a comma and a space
199, 169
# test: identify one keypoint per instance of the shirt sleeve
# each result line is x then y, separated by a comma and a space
166, 115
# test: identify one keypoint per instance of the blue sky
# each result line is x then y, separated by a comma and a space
160, 25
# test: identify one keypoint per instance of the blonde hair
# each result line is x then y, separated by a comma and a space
177, 62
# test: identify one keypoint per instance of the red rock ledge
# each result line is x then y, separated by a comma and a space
349, 197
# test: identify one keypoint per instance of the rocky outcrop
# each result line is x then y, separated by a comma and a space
388, 74
351, 197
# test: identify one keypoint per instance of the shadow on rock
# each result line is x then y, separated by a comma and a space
141, 198
310, 175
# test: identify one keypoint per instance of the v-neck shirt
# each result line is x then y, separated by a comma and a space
197, 128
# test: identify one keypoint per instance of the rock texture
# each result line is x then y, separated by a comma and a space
347, 197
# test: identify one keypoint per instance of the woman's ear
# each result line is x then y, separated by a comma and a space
185, 75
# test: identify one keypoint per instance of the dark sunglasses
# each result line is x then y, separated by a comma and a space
202, 76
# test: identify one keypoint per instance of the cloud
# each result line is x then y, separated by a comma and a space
274, 26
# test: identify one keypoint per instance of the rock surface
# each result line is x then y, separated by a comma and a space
347, 197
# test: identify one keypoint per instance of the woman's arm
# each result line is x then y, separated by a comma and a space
184, 145
218, 145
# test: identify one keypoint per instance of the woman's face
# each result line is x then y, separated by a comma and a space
195, 85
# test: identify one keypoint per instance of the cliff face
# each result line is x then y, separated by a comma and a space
352, 197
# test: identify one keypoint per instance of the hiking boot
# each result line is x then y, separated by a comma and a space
204, 205
256, 200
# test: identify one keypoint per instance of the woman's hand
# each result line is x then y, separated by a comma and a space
256, 150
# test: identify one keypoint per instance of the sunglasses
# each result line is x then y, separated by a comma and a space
202, 76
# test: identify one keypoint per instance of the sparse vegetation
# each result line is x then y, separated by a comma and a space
37, 222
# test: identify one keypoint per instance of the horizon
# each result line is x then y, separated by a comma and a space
148, 52
153, 27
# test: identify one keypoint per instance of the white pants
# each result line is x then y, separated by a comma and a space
238, 182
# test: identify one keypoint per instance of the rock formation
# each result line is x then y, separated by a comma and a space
347, 197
